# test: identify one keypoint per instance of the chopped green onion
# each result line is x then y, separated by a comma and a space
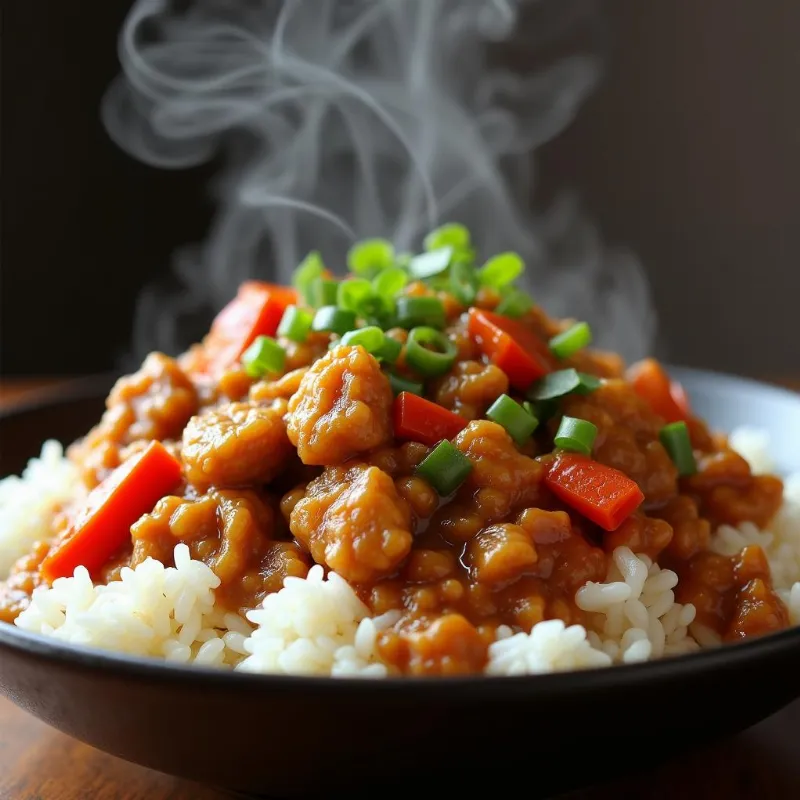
576, 435
295, 323
426, 265
676, 441
370, 256
445, 468
309, 269
370, 338
515, 303
353, 294
563, 382
519, 423
542, 410
568, 342
388, 284
390, 350
333, 319
588, 383
264, 356
429, 352
463, 283
501, 270
400, 384
412, 311
451, 234
323, 292
402, 260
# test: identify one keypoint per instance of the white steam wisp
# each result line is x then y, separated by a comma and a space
345, 119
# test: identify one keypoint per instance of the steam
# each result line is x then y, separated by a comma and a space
344, 119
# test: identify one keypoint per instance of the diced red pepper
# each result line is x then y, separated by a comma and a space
681, 398
256, 310
602, 494
420, 420
510, 345
667, 398
104, 524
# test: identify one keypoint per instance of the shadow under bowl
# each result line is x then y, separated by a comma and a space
290, 736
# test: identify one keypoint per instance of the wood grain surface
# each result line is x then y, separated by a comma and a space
39, 763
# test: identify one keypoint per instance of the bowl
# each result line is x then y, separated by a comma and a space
282, 736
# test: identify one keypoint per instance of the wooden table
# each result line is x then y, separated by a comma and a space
39, 763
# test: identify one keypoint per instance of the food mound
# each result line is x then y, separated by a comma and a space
412, 470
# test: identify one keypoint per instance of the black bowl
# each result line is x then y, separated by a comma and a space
286, 736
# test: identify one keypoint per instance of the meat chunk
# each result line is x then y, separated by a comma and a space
447, 645
231, 531
644, 535
498, 465
342, 408
235, 445
470, 388
499, 554
627, 437
354, 521
691, 533
283, 387
159, 399
502, 481
154, 403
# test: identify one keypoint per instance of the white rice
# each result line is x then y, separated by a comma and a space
27, 503
152, 610
315, 626
319, 626
551, 646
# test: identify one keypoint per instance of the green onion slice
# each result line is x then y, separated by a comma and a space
369, 257
400, 384
576, 435
295, 323
333, 319
501, 270
677, 442
561, 383
542, 410
515, 303
323, 292
353, 294
309, 269
412, 311
389, 283
451, 234
264, 356
426, 265
370, 338
445, 468
390, 350
429, 352
570, 341
519, 422
464, 283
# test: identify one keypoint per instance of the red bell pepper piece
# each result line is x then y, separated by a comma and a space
511, 346
256, 310
667, 398
420, 420
602, 494
104, 524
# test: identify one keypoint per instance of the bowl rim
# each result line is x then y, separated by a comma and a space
144, 668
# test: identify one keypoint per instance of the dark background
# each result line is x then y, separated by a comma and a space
689, 153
